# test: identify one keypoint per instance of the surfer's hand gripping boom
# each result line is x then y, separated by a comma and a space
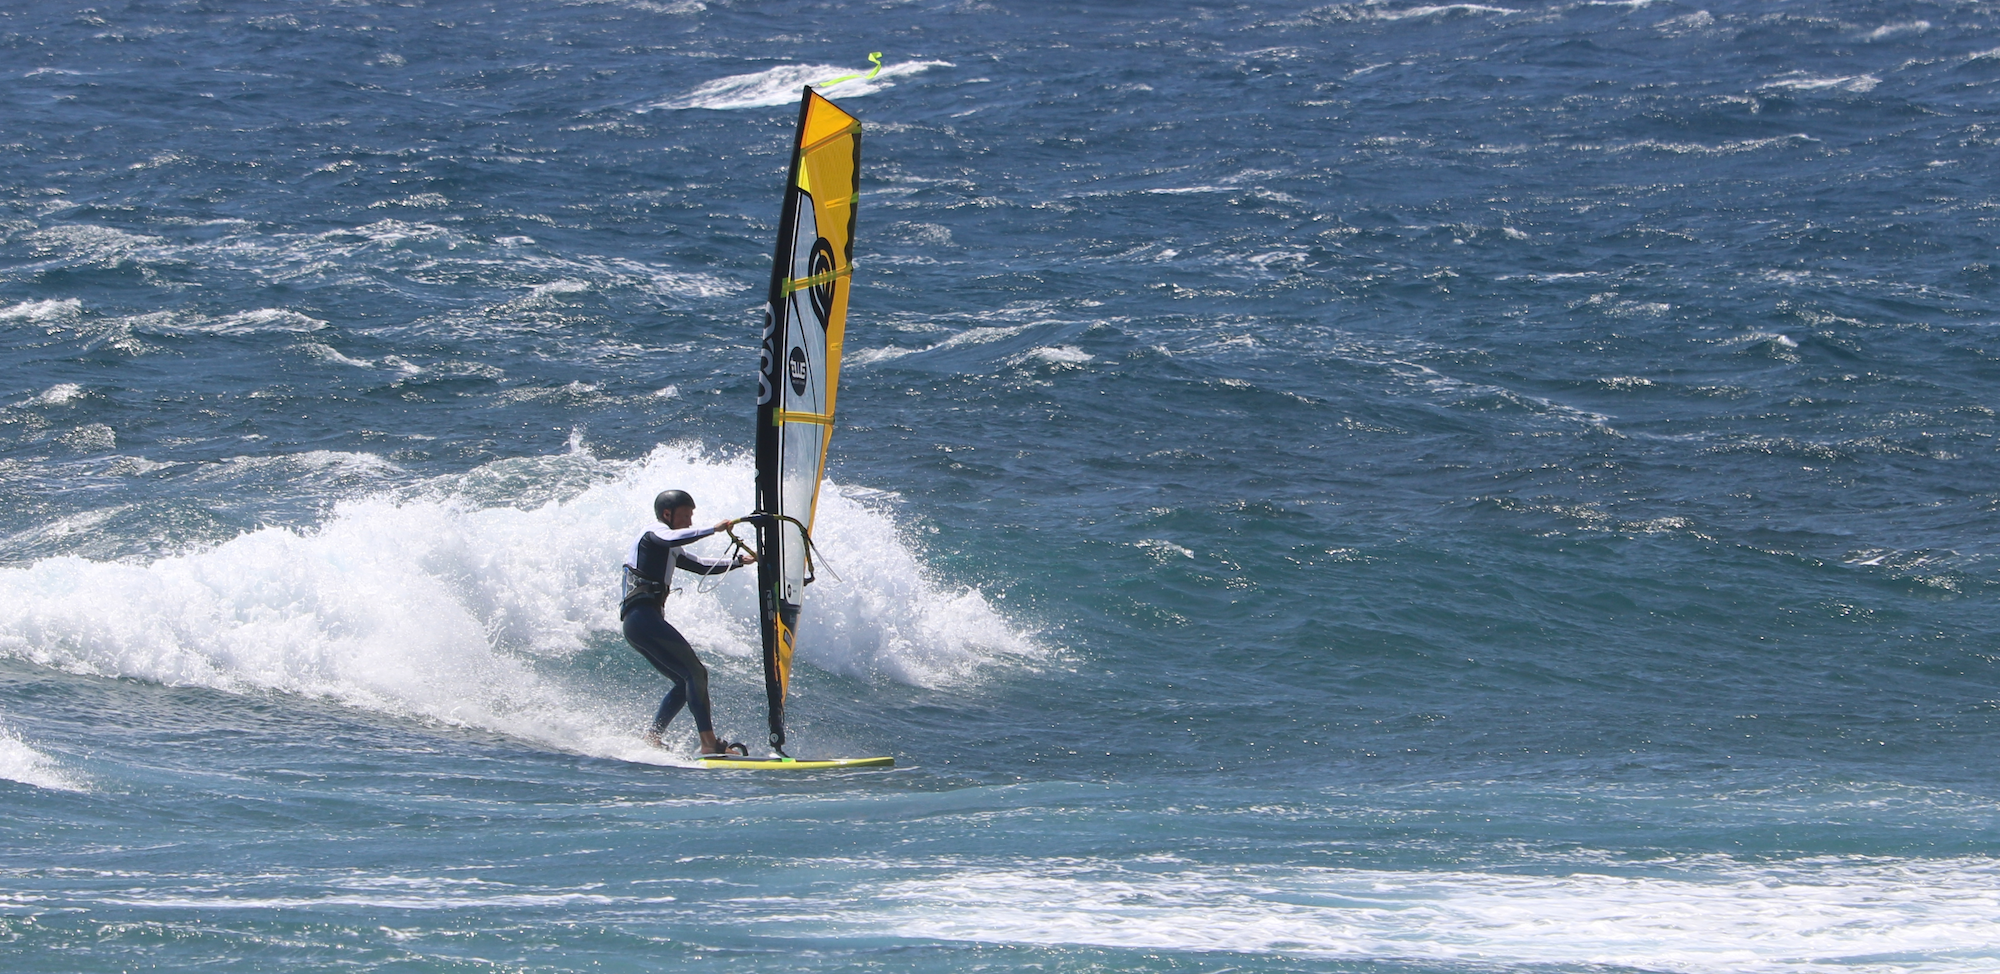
745, 555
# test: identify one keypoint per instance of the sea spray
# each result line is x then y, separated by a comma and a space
459, 599
20, 761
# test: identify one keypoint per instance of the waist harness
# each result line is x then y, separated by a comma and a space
646, 584
640, 590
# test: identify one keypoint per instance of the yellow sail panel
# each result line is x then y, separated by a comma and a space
829, 174
824, 121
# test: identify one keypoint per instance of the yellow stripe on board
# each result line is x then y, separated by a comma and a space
738, 763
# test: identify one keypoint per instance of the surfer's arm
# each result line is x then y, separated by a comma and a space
703, 566
685, 535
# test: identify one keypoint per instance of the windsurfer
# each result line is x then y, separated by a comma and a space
649, 575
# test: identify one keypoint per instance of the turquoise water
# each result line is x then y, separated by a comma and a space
1357, 487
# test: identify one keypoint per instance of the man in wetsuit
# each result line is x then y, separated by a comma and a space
649, 576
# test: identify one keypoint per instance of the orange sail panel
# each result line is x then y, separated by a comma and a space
799, 372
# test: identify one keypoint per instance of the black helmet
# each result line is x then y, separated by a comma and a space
667, 500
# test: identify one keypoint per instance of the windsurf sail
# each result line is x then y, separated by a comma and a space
798, 372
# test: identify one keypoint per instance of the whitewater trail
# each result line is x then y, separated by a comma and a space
444, 602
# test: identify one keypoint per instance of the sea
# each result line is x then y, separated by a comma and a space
1370, 487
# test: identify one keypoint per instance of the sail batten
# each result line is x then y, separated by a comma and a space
799, 373
854, 129
799, 284
819, 419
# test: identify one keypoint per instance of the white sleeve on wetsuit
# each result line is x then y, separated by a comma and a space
695, 563
676, 538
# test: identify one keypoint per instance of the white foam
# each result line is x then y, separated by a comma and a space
404, 247
43, 311
418, 201
780, 85
90, 437
315, 466
1801, 81
1061, 356
328, 353
1162, 549
1699, 20
1887, 31
257, 322
91, 243
1446, 385
67, 311
543, 293
1848, 915
1437, 10
59, 394
19, 762
981, 335
457, 601
159, 160
1723, 149
1759, 337
885, 614
855, 358
408, 901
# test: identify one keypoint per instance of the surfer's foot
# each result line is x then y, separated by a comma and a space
727, 747
652, 737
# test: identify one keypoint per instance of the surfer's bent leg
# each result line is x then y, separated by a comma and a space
670, 706
669, 652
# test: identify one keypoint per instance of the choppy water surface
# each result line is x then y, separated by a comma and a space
1360, 487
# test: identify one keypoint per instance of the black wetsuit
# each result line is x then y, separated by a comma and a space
649, 576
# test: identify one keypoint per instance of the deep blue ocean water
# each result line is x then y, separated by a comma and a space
1364, 487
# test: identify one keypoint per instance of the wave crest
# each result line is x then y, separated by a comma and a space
463, 599
780, 85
